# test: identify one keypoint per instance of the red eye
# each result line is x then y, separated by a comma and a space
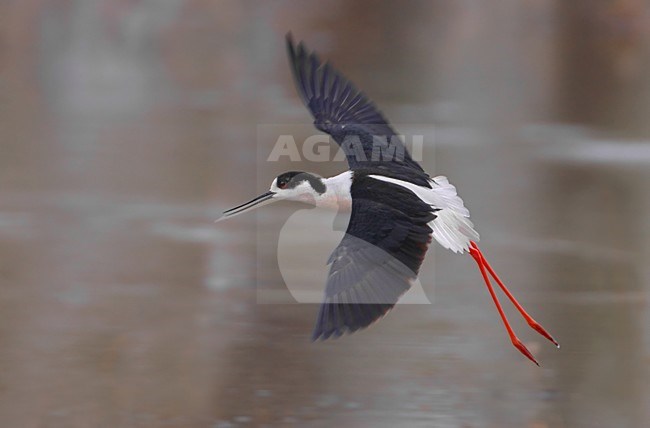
282, 185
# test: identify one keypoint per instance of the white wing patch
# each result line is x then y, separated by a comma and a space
452, 227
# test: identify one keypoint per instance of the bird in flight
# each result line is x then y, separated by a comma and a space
396, 207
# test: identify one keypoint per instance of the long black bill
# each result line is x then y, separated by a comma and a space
261, 200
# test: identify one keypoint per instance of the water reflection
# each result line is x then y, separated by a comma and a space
127, 127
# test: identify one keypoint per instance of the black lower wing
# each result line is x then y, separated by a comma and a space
376, 262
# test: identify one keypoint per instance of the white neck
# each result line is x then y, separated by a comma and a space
337, 192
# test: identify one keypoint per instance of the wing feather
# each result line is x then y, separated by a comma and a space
343, 111
376, 261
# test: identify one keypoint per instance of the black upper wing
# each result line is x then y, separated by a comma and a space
378, 258
345, 113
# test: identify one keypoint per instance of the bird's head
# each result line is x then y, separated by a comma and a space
291, 186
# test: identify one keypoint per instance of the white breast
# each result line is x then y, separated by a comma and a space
337, 194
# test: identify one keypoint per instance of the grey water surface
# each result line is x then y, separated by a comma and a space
126, 127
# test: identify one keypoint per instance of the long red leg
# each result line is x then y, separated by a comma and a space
531, 322
476, 254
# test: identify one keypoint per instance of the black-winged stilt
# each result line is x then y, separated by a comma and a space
396, 207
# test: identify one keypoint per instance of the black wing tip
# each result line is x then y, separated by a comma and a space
301, 62
320, 335
348, 325
291, 46
297, 51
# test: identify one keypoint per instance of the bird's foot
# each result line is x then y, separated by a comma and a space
538, 328
522, 348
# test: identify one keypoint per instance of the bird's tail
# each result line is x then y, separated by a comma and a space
485, 267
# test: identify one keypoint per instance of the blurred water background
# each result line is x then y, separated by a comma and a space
127, 126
